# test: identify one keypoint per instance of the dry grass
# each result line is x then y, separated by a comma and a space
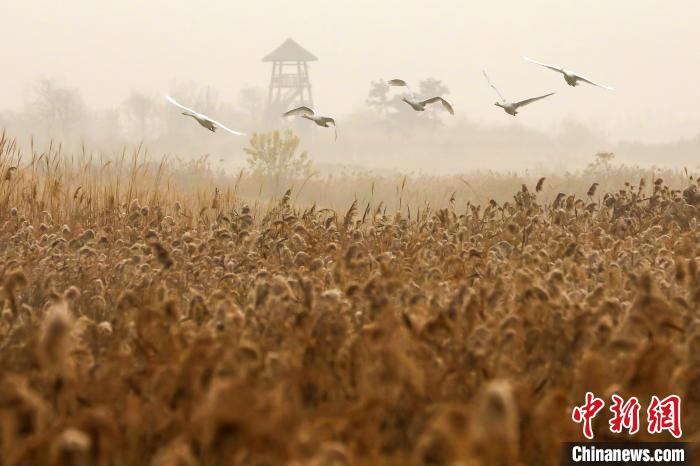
168, 316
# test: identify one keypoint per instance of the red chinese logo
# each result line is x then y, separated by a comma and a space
665, 415
662, 415
625, 415
586, 412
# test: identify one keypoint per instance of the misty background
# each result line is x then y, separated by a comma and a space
89, 74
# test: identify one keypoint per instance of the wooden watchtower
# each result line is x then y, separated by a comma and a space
289, 82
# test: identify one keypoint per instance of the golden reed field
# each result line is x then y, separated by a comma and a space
168, 314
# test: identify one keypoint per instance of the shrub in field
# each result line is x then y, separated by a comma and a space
275, 154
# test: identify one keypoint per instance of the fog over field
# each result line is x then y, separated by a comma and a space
83, 72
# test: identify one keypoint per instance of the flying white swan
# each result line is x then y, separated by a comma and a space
309, 114
203, 120
511, 108
570, 77
419, 105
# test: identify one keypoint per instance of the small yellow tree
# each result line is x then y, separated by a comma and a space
275, 154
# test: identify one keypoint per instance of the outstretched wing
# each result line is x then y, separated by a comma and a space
202, 116
303, 110
400, 83
551, 67
522, 103
174, 102
444, 103
397, 82
583, 78
237, 133
492, 86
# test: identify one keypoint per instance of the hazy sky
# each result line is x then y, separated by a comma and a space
648, 50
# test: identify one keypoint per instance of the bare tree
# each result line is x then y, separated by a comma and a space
61, 109
140, 114
378, 96
431, 87
252, 100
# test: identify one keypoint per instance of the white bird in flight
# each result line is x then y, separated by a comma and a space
419, 105
570, 77
511, 108
203, 120
309, 114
